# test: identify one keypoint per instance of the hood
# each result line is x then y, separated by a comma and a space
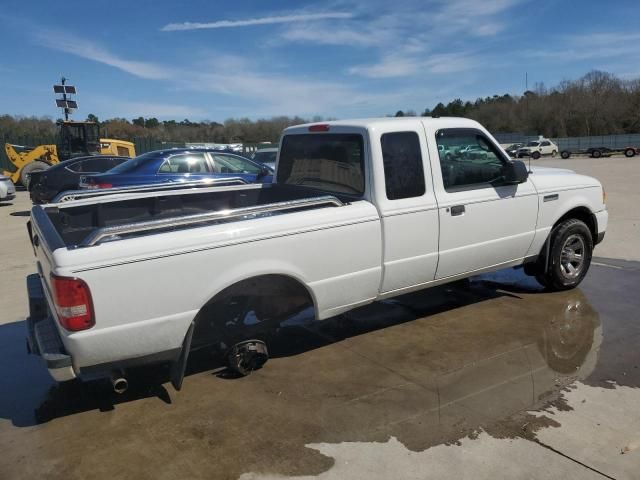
549, 170
546, 178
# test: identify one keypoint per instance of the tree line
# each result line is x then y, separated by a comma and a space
598, 103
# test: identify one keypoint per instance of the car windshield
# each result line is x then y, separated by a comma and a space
533, 144
265, 157
133, 164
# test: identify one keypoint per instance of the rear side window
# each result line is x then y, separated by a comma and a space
187, 163
332, 162
403, 168
233, 164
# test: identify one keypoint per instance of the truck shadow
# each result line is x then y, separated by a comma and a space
30, 397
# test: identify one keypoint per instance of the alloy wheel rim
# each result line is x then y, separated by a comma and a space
572, 256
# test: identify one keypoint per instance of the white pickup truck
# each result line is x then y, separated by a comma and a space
361, 210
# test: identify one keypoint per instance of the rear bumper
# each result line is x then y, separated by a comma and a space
43, 338
7, 193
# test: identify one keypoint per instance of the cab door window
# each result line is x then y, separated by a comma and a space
468, 160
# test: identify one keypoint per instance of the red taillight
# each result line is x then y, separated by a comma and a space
73, 303
91, 184
320, 127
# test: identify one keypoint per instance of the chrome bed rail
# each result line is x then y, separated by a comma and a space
70, 195
105, 232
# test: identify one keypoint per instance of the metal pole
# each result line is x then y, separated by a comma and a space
64, 97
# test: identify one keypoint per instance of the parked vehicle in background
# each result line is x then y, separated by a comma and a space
7, 189
179, 165
512, 149
362, 210
538, 148
46, 184
597, 152
267, 156
473, 152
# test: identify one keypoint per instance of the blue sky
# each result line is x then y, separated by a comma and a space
220, 59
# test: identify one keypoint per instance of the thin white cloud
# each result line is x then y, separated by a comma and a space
388, 67
271, 94
479, 18
602, 45
295, 18
332, 35
398, 66
91, 51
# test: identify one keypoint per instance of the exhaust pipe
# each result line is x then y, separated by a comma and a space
119, 382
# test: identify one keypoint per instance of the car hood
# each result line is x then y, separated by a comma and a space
548, 178
549, 170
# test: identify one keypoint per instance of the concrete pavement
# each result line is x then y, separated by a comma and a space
484, 379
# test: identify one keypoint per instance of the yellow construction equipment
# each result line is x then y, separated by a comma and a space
75, 139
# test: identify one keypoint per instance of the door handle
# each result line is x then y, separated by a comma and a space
457, 210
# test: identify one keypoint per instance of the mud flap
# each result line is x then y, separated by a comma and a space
179, 366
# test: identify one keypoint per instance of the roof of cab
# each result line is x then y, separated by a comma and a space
372, 123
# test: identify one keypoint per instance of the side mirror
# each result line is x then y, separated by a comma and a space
515, 172
264, 171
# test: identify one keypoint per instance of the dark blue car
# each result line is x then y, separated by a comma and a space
180, 165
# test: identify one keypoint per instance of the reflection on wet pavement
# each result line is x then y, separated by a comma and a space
427, 368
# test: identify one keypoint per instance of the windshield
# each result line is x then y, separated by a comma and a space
265, 157
329, 162
133, 164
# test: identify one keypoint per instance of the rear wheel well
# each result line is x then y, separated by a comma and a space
249, 308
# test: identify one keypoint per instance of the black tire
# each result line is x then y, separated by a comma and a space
535, 155
565, 154
629, 152
570, 256
554, 153
596, 153
28, 169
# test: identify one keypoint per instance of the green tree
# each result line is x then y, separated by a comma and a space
152, 123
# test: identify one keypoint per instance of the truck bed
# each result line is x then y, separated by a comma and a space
87, 224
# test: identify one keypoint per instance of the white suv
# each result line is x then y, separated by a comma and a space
537, 148
7, 189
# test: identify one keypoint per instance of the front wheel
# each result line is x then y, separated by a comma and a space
570, 256
535, 155
596, 154
554, 153
629, 152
